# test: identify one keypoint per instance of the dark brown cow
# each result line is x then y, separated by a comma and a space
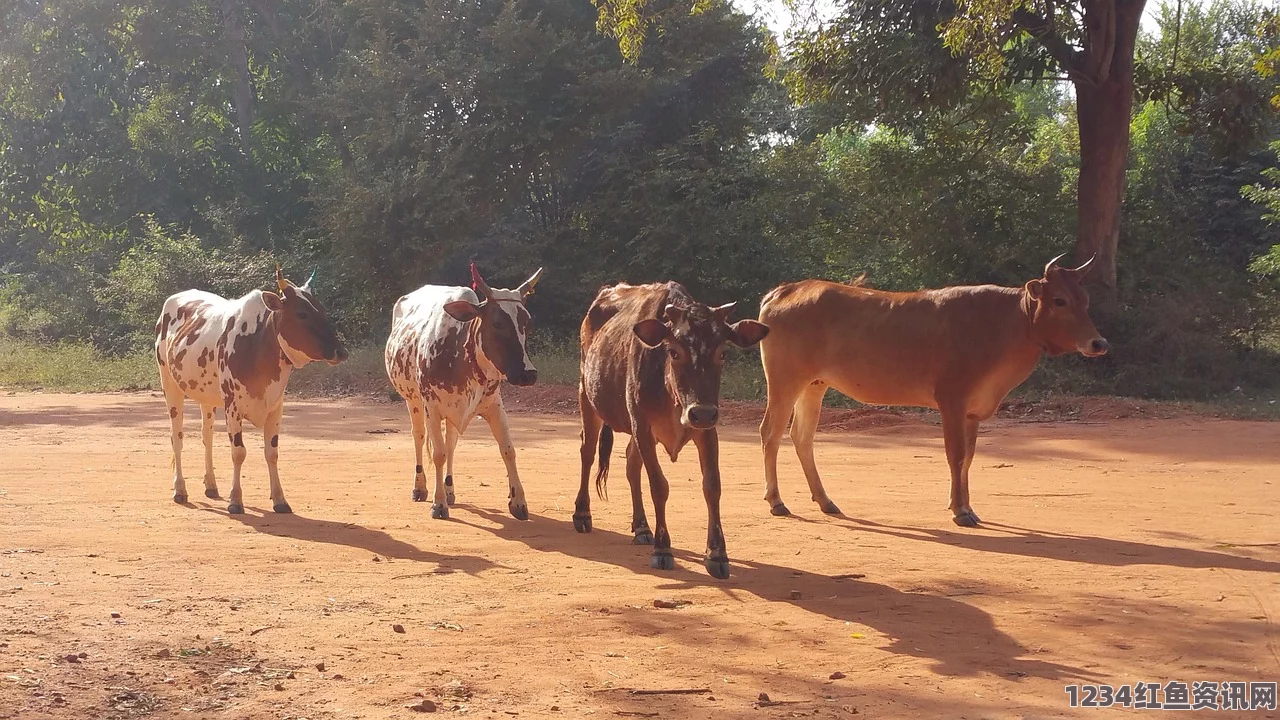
959, 350
651, 363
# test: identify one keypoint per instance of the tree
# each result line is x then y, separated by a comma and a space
927, 56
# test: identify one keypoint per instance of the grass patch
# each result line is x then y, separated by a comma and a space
72, 368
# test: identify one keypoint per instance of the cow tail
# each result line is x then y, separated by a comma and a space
602, 474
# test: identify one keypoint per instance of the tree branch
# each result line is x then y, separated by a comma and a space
1042, 29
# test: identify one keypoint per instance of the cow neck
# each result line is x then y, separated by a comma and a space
1028, 308
481, 366
273, 330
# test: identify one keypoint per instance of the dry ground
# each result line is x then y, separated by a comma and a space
1131, 549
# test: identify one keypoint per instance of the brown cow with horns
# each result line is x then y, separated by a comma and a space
959, 350
651, 363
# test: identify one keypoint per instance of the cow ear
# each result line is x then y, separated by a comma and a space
651, 332
273, 301
748, 332
462, 310
1035, 289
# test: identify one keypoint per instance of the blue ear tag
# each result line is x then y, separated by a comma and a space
313, 277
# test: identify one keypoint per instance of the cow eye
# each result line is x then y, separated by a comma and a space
723, 355
1060, 302
674, 353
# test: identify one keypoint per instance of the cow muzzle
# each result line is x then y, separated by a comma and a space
701, 417
1096, 347
524, 378
338, 356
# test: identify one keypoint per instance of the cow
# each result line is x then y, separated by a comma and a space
651, 360
958, 350
449, 350
238, 355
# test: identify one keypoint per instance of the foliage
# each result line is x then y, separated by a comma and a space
389, 143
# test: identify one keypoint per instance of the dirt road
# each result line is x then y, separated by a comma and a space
1115, 552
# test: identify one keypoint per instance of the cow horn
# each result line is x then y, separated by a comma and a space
307, 285
1087, 266
280, 281
673, 313
722, 313
526, 287
1049, 266
478, 284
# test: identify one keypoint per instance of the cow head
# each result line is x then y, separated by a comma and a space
303, 327
1059, 309
503, 326
695, 339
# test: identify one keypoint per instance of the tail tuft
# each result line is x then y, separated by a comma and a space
602, 475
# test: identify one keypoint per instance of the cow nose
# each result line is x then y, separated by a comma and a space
525, 378
341, 355
1099, 346
703, 416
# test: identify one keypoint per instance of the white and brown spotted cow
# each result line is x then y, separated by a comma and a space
238, 354
449, 351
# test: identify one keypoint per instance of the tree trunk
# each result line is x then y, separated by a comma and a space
1103, 115
242, 91
1104, 104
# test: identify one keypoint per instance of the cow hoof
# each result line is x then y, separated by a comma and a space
419, 495
663, 560
235, 509
180, 499
211, 493
449, 498
440, 512
448, 489
829, 508
780, 510
718, 569
519, 512
582, 523
968, 518
643, 537
282, 508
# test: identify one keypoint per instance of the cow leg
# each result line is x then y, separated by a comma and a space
418, 417
662, 559
971, 445
206, 435
270, 447
717, 559
955, 435
175, 400
451, 443
496, 416
782, 397
235, 432
639, 523
590, 436
439, 502
804, 426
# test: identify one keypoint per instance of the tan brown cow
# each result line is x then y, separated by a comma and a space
651, 362
959, 350
238, 354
